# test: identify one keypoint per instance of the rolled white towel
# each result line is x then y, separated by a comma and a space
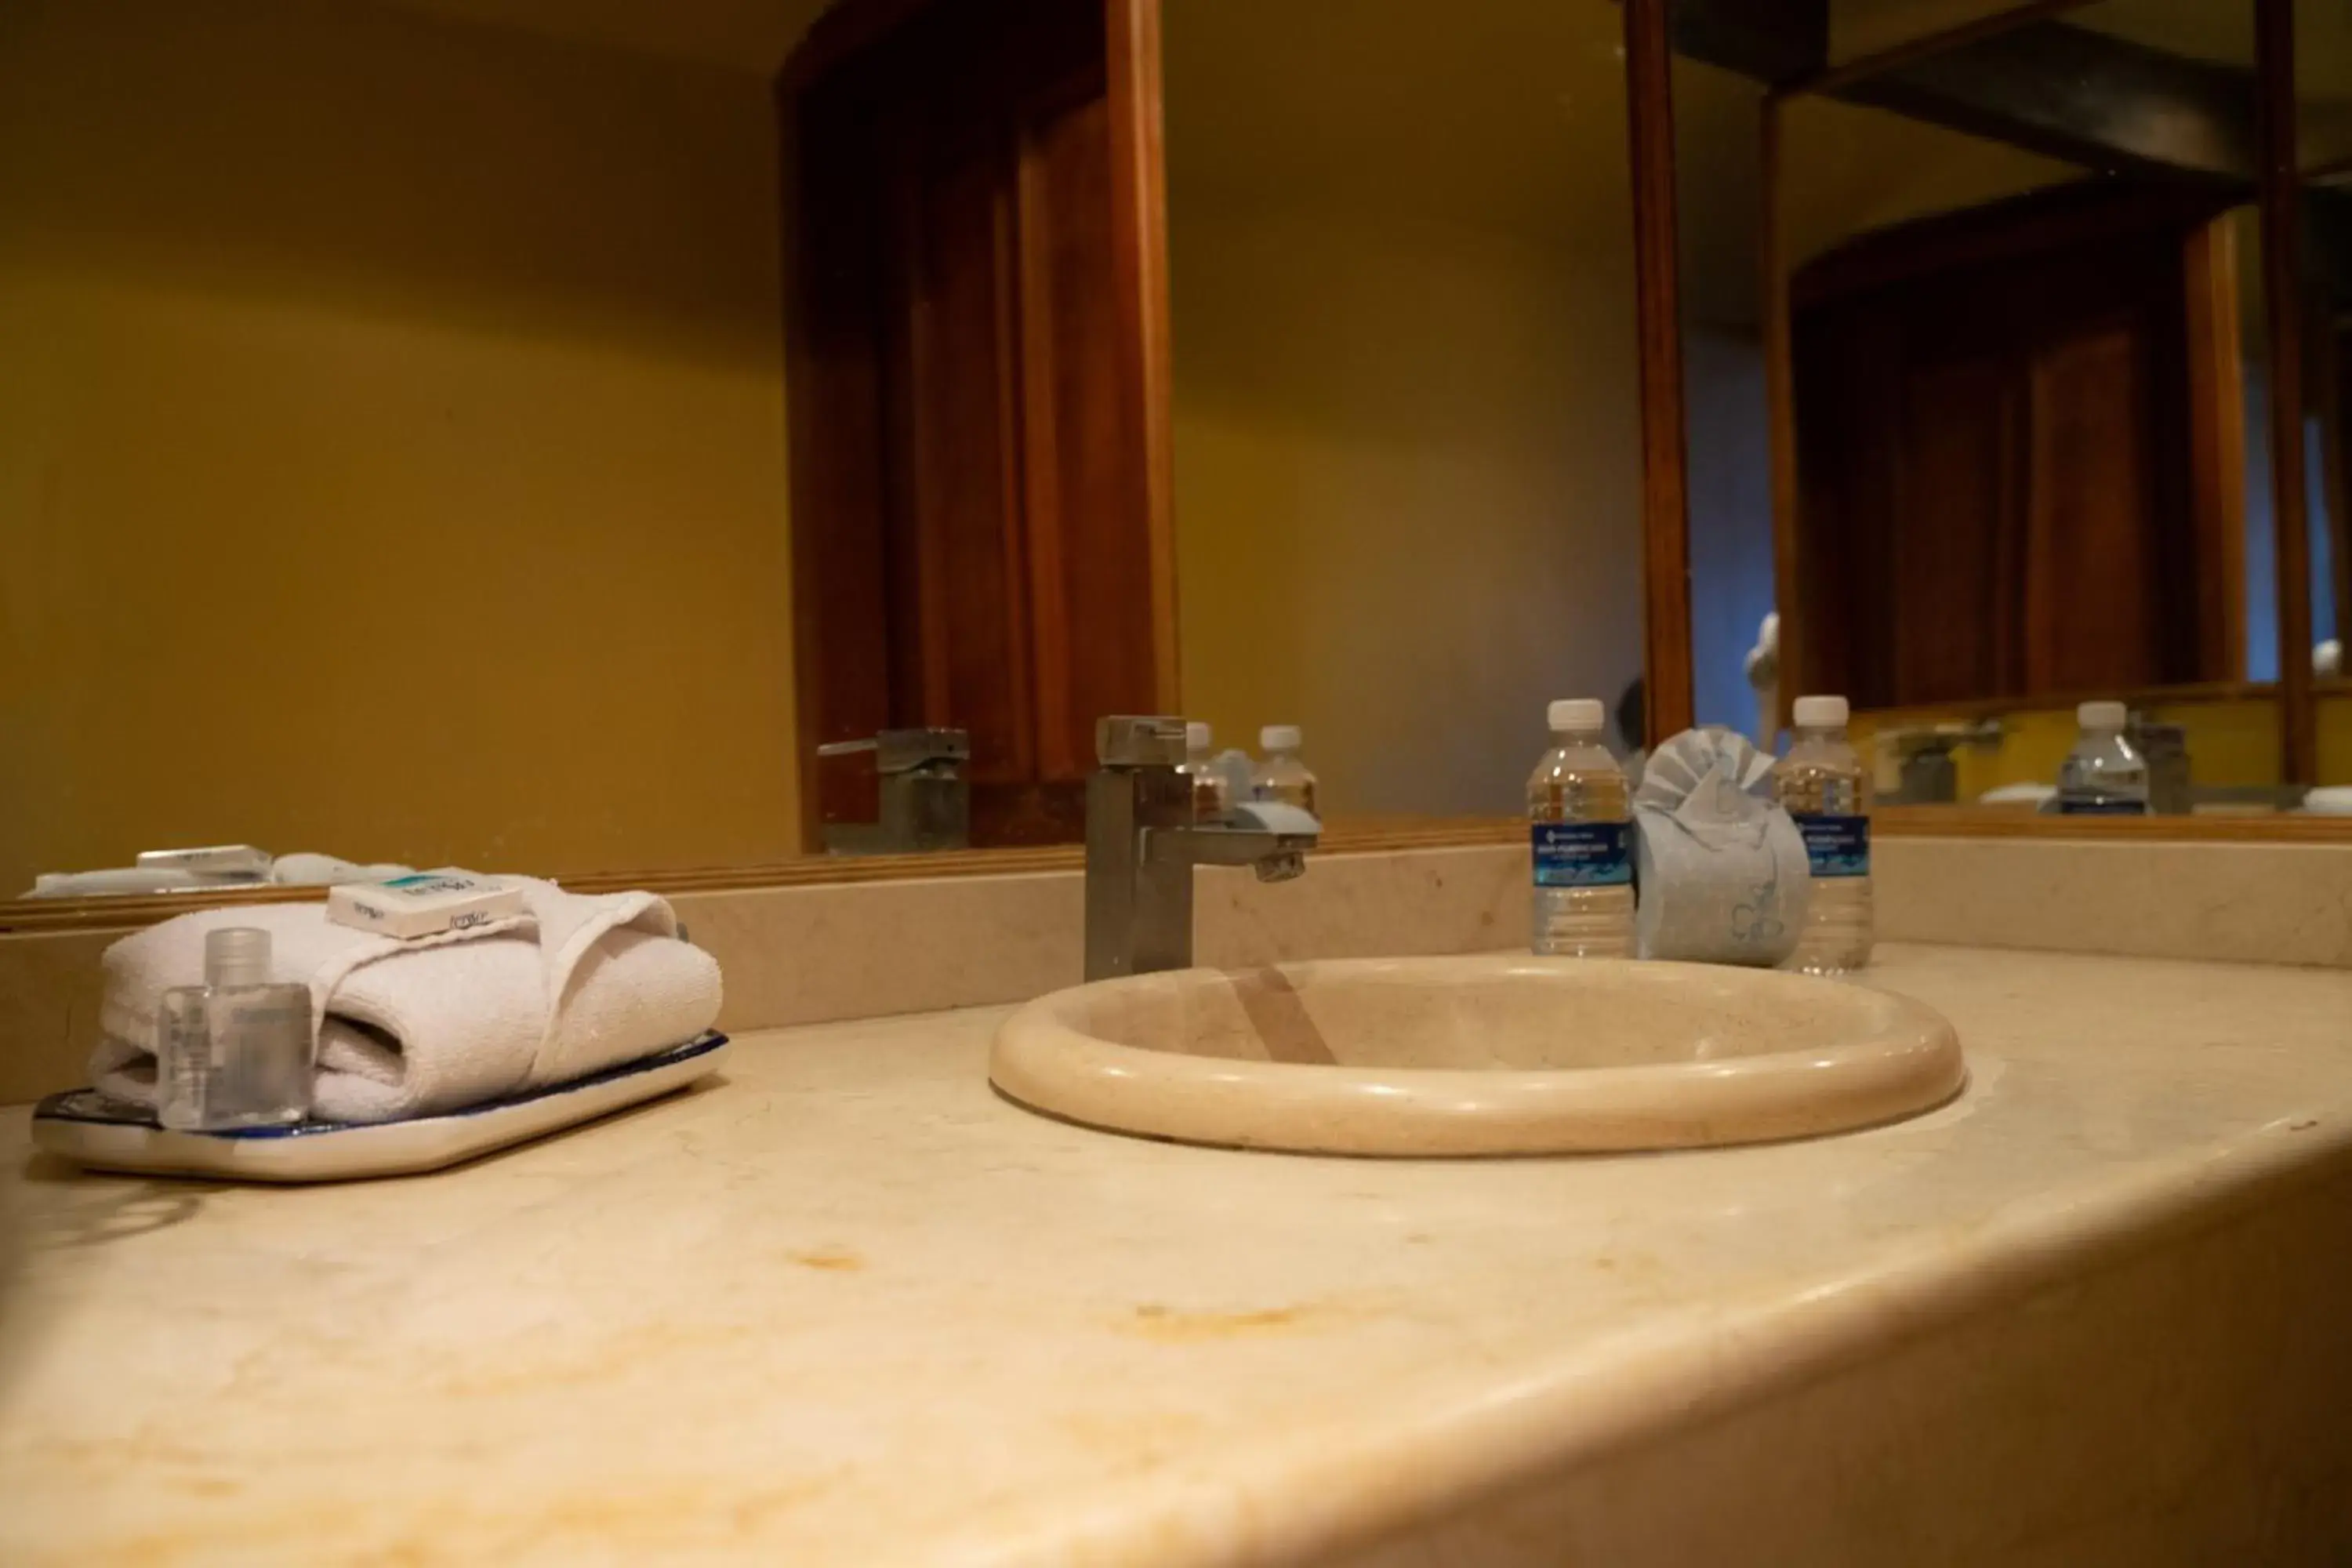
413, 1028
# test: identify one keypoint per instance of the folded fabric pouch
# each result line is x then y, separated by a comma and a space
413, 1028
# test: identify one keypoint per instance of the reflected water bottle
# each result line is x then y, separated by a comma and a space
1825, 788
1281, 775
2103, 776
1579, 822
1213, 799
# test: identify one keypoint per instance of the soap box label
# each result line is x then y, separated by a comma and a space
1835, 846
1583, 854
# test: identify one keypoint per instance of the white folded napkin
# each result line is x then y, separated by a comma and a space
409, 1029
1719, 868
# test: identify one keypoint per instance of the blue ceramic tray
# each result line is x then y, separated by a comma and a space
88, 1128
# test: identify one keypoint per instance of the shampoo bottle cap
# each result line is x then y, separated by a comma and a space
1197, 736
1280, 738
235, 956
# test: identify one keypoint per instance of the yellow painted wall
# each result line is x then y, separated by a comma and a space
1406, 443
392, 455
2334, 721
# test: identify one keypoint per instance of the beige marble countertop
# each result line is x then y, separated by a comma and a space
847, 1306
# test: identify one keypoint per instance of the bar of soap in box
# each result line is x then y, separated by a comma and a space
425, 904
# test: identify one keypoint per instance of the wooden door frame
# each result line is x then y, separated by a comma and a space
1140, 226
1139, 261
1668, 678
2279, 183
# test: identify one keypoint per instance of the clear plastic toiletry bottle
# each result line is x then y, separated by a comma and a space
235, 1051
1280, 775
1212, 797
1580, 822
2103, 776
1825, 787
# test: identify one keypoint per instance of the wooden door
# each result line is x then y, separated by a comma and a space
976, 539
2020, 449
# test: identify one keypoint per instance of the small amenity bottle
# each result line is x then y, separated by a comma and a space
235, 1051
2103, 776
1581, 824
1280, 775
1212, 797
1824, 787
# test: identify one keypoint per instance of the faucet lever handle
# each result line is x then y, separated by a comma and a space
1138, 741
903, 751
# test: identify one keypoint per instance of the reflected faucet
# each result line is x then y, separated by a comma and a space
926, 803
1142, 842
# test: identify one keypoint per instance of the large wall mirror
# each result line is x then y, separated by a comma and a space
1987, 396
674, 441
652, 439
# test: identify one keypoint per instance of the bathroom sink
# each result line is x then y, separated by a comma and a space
1491, 1055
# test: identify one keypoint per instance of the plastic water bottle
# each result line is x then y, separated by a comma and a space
1826, 790
1281, 775
1580, 820
1213, 798
2103, 776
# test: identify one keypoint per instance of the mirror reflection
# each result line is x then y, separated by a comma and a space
2324, 151
433, 440
2016, 327
1406, 448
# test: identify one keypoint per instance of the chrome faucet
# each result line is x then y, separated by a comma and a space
1143, 840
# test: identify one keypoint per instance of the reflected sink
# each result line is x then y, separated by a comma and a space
1490, 1055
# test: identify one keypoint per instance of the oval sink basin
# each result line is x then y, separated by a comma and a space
1502, 1055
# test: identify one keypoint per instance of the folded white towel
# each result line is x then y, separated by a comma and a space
412, 1028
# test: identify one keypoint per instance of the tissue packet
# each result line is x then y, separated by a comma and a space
1719, 865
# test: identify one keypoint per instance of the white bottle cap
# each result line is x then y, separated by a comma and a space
1280, 738
1819, 712
1573, 713
1197, 736
2101, 715
236, 955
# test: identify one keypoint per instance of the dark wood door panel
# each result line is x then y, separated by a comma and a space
972, 543
2004, 492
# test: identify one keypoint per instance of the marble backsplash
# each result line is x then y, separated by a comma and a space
817, 953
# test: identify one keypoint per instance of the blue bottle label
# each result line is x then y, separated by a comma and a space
1835, 846
1583, 854
2101, 807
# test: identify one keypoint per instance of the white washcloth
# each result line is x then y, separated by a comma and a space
412, 1028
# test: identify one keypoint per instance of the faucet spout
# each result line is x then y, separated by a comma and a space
1211, 845
1142, 842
